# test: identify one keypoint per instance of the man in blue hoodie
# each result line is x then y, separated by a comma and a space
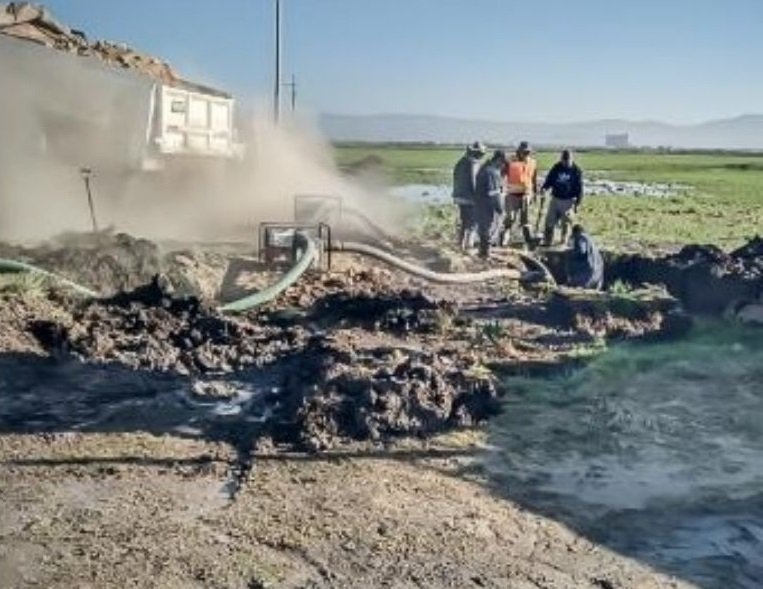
565, 179
585, 265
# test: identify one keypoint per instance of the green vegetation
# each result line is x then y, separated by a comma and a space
724, 205
711, 350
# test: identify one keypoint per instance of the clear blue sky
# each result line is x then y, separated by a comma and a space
541, 60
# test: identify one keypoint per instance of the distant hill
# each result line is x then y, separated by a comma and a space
743, 132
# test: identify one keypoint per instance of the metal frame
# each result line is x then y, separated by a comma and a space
322, 230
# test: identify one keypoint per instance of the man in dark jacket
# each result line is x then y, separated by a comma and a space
565, 180
489, 201
585, 266
464, 184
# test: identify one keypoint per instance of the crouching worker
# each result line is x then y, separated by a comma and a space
464, 185
565, 180
489, 206
585, 265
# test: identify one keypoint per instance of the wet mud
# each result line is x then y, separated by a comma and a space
654, 451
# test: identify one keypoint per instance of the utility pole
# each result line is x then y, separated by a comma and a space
293, 90
277, 97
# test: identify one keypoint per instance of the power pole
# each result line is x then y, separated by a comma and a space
277, 97
293, 91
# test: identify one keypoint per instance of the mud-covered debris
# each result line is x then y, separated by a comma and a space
398, 312
148, 328
335, 393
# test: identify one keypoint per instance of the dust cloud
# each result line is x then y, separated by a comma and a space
60, 113
219, 200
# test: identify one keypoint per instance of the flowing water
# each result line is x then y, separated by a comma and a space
655, 451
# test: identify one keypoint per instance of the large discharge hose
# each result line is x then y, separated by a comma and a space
441, 277
445, 277
306, 253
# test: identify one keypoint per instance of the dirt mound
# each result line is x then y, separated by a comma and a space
112, 263
107, 263
706, 279
334, 392
18, 312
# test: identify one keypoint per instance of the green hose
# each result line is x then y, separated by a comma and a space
305, 246
15, 267
308, 253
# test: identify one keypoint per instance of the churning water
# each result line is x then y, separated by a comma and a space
655, 451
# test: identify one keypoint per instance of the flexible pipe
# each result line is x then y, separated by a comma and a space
308, 250
382, 234
456, 278
15, 266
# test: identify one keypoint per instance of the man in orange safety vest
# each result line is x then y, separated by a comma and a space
521, 178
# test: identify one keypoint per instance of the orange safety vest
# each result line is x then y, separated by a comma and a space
519, 176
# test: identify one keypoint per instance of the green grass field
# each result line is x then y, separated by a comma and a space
724, 205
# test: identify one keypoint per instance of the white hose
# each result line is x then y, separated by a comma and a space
425, 273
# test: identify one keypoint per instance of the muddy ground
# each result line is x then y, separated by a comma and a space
333, 439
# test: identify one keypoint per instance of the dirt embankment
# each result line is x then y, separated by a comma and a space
706, 279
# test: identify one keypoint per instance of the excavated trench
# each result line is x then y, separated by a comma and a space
707, 280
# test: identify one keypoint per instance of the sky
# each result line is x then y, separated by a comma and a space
677, 61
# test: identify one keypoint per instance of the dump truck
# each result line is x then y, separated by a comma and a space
103, 105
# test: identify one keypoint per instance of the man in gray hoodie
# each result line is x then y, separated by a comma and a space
464, 185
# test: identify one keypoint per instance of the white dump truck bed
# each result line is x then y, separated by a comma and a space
83, 110
192, 121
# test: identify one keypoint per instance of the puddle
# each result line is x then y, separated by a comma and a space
423, 193
40, 395
441, 194
654, 451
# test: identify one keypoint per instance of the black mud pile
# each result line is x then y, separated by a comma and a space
333, 392
706, 279
400, 312
149, 329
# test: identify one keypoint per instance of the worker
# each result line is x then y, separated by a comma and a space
585, 265
489, 204
521, 178
565, 180
464, 183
